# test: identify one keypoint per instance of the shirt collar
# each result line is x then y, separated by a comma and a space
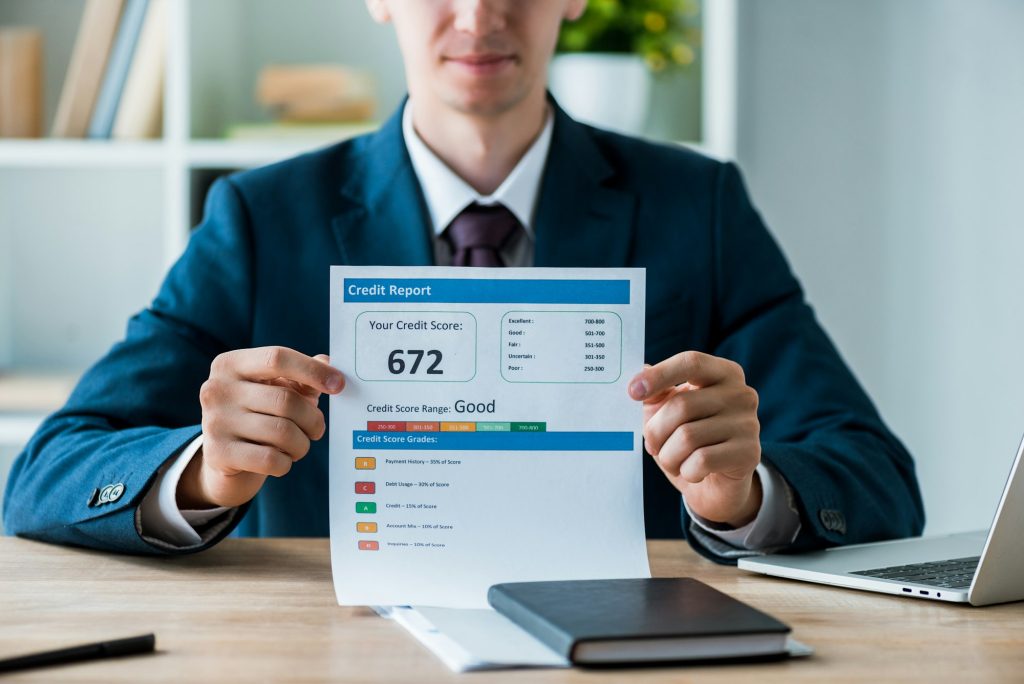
447, 194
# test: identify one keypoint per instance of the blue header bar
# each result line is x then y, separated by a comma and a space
492, 441
480, 291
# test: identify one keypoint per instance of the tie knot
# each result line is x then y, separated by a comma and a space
478, 233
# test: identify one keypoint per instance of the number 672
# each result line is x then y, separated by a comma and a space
397, 363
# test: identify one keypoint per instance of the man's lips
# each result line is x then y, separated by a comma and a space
481, 63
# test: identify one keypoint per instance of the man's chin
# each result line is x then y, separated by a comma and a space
484, 102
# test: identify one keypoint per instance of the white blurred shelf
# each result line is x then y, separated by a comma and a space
226, 154
201, 154
51, 153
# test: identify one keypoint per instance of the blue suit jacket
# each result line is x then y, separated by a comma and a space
256, 273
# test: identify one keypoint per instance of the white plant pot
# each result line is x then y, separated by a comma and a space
610, 91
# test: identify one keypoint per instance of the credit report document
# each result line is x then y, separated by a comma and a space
485, 433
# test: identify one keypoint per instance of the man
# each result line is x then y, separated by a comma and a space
202, 419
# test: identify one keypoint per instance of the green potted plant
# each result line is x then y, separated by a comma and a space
603, 72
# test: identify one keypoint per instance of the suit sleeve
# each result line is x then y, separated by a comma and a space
138, 406
852, 479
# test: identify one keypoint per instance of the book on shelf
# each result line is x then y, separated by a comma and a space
306, 93
88, 64
21, 82
116, 73
140, 111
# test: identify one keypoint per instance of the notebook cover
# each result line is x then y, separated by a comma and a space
564, 614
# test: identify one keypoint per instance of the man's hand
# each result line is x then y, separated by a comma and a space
700, 425
259, 415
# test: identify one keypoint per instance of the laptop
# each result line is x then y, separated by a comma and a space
978, 568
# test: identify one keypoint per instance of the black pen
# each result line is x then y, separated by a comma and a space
103, 649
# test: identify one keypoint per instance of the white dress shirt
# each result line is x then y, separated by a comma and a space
777, 522
447, 194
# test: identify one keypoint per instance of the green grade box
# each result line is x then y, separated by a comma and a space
366, 507
529, 427
493, 427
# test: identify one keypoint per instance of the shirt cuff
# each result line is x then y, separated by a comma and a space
776, 524
160, 518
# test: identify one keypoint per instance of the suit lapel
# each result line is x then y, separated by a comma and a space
580, 220
385, 219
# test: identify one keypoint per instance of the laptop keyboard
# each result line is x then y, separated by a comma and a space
949, 574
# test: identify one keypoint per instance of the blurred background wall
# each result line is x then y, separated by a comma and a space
883, 141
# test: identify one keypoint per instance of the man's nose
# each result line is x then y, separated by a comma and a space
480, 17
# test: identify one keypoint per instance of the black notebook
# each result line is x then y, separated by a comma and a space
594, 622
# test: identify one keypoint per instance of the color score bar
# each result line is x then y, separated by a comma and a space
455, 426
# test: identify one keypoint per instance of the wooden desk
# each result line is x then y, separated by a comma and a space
264, 610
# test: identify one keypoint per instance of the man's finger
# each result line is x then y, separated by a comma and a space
696, 368
274, 400
716, 458
681, 408
270, 363
687, 439
280, 433
243, 457
310, 395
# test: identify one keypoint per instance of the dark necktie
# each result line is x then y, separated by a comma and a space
478, 233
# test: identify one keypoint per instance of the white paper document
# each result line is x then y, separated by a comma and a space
468, 640
485, 434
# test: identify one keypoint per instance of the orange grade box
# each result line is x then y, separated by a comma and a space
458, 427
366, 463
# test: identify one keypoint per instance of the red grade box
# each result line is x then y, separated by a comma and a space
369, 546
366, 487
385, 426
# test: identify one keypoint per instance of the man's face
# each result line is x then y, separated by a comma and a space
479, 57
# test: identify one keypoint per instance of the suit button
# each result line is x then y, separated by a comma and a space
109, 494
833, 520
104, 496
116, 492
92, 498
